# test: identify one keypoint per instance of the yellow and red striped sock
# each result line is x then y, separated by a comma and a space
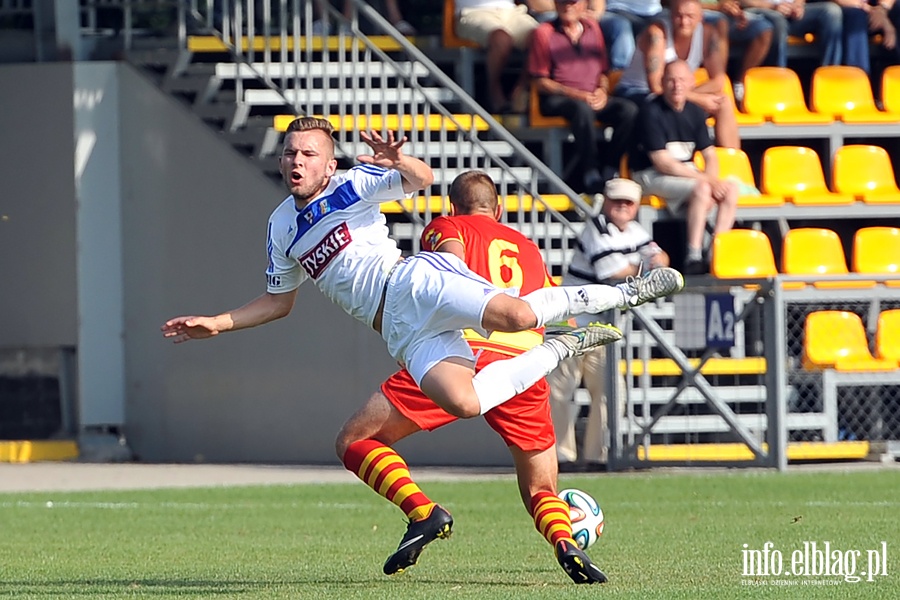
551, 517
382, 469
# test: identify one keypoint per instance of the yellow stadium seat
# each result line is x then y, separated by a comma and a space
743, 119
837, 339
734, 163
865, 172
877, 250
775, 93
890, 88
795, 173
845, 93
816, 251
742, 253
887, 338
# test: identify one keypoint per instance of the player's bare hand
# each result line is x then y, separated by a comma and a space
385, 152
183, 329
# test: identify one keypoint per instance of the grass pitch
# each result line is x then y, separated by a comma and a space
667, 536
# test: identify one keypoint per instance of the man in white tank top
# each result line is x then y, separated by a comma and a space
684, 36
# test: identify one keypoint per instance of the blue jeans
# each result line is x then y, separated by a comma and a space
619, 37
822, 19
856, 38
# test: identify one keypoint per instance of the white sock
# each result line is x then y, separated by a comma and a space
554, 304
503, 379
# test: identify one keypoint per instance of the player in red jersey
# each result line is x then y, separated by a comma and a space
505, 257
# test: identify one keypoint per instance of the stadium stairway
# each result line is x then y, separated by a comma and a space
364, 75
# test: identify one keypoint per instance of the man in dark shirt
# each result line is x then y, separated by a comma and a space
670, 130
568, 62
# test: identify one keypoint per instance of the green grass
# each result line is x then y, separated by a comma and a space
667, 536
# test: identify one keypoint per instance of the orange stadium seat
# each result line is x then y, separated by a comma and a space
795, 172
742, 253
816, 251
775, 93
846, 94
865, 172
876, 250
887, 338
890, 88
837, 339
734, 163
448, 33
701, 75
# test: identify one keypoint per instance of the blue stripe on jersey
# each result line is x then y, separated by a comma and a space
269, 245
371, 169
442, 264
344, 196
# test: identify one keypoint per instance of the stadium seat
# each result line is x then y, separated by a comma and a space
836, 339
775, 94
795, 172
845, 93
887, 338
448, 33
536, 118
877, 250
741, 253
734, 163
865, 172
743, 119
816, 251
890, 88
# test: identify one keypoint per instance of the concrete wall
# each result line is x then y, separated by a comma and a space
193, 218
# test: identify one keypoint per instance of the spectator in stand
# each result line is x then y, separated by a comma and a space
617, 31
883, 19
797, 18
670, 130
684, 36
498, 26
752, 32
612, 246
568, 63
855, 32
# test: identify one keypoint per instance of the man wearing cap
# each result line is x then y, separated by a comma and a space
612, 246
568, 63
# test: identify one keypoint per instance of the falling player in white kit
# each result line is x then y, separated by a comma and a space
331, 230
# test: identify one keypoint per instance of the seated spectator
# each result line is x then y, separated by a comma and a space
670, 130
639, 13
498, 26
617, 30
880, 21
855, 32
611, 247
684, 36
797, 18
568, 63
752, 32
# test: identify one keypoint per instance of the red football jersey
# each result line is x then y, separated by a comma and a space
501, 255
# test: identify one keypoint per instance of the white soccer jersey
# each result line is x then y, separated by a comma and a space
339, 240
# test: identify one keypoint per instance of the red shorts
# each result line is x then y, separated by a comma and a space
523, 421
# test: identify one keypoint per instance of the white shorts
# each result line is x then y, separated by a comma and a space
430, 298
477, 24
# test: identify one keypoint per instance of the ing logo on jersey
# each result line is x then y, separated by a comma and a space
323, 207
432, 237
309, 217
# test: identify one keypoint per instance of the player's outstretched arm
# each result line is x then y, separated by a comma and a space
417, 175
261, 310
